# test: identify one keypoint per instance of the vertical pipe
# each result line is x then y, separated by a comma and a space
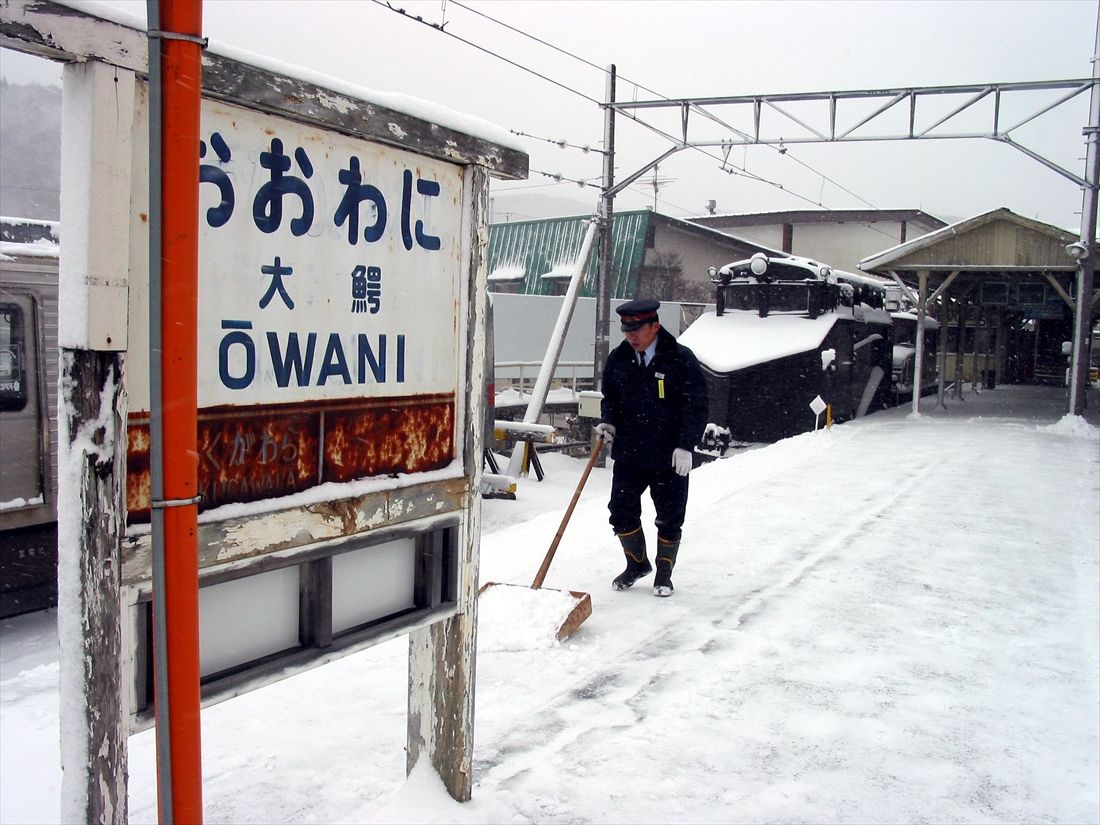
975, 383
960, 348
999, 367
607, 219
922, 315
941, 352
175, 66
1082, 312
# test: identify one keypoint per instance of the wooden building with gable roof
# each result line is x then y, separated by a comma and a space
1003, 288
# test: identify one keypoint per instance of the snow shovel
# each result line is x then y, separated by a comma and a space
581, 603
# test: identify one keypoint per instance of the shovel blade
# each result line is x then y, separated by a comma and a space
580, 611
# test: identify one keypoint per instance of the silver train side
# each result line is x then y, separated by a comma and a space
787, 331
28, 415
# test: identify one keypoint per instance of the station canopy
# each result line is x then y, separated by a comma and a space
1007, 257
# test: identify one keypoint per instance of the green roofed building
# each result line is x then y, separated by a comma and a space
653, 256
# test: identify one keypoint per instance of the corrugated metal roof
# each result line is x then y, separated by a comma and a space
543, 246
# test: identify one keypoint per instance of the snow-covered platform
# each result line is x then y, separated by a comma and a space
897, 620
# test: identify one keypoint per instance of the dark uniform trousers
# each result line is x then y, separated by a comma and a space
668, 490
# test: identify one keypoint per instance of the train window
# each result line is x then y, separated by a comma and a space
13, 377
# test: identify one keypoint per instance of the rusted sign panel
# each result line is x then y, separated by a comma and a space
259, 452
329, 284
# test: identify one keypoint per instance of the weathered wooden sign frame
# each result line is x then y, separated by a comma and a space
428, 520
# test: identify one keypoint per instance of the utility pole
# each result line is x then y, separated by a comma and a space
1082, 308
606, 219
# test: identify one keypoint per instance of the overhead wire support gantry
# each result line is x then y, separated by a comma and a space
829, 132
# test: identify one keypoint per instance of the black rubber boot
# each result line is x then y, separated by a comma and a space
637, 563
666, 560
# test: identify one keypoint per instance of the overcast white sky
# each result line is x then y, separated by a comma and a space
693, 49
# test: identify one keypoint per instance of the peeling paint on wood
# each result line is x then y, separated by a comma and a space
295, 529
94, 751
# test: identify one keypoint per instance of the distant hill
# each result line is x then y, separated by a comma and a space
30, 150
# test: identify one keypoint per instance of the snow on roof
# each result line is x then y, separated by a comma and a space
563, 270
508, 272
38, 249
740, 339
863, 278
28, 238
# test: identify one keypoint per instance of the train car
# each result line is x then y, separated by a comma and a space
786, 331
28, 415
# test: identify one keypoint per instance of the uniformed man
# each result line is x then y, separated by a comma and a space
653, 413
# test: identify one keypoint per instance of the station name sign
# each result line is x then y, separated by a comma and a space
329, 277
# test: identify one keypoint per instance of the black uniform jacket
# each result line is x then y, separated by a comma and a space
655, 408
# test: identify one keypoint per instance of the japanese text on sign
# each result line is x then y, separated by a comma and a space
329, 267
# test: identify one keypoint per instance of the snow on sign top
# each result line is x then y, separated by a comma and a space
415, 107
428, 111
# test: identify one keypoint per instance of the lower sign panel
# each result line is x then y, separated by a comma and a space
231, 630
373, 582
274, 618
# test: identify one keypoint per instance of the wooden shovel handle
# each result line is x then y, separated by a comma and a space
541, 575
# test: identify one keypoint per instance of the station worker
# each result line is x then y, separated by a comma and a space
653, 413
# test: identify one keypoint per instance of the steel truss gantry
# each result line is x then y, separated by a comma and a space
834, 130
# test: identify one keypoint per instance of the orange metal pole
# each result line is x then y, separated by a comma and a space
181, 73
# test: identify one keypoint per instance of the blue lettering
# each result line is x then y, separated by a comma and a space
406, 208
291, 360
267, 206
430, 188
400, 359
292, 364
242, 339
335, 362
348, 209
208, 173
366, 357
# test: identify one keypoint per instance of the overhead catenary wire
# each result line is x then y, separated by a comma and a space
563, 179
561, 143
632, 116
439, 28
709, 115
725, 164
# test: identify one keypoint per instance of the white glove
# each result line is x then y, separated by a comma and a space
606, 432
681, 461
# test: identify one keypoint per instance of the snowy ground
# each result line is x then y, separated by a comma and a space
895, 621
